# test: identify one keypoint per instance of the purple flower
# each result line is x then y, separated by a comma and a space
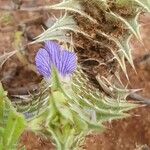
54, 55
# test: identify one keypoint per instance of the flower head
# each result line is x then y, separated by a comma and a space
54, 55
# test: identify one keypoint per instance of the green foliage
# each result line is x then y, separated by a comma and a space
12, 124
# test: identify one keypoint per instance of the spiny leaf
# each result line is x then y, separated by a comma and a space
110, 117
91, 97
60, 35
33, 105
59, 31
124, 45
120, 57
120, 54
111, 89
72, 5
131, 23
66, 22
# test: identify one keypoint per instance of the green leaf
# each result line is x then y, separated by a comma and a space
12, 124
14, 128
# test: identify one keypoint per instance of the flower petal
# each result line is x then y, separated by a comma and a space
63, 60
52, 54
43, 63
68, 63
54, 50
